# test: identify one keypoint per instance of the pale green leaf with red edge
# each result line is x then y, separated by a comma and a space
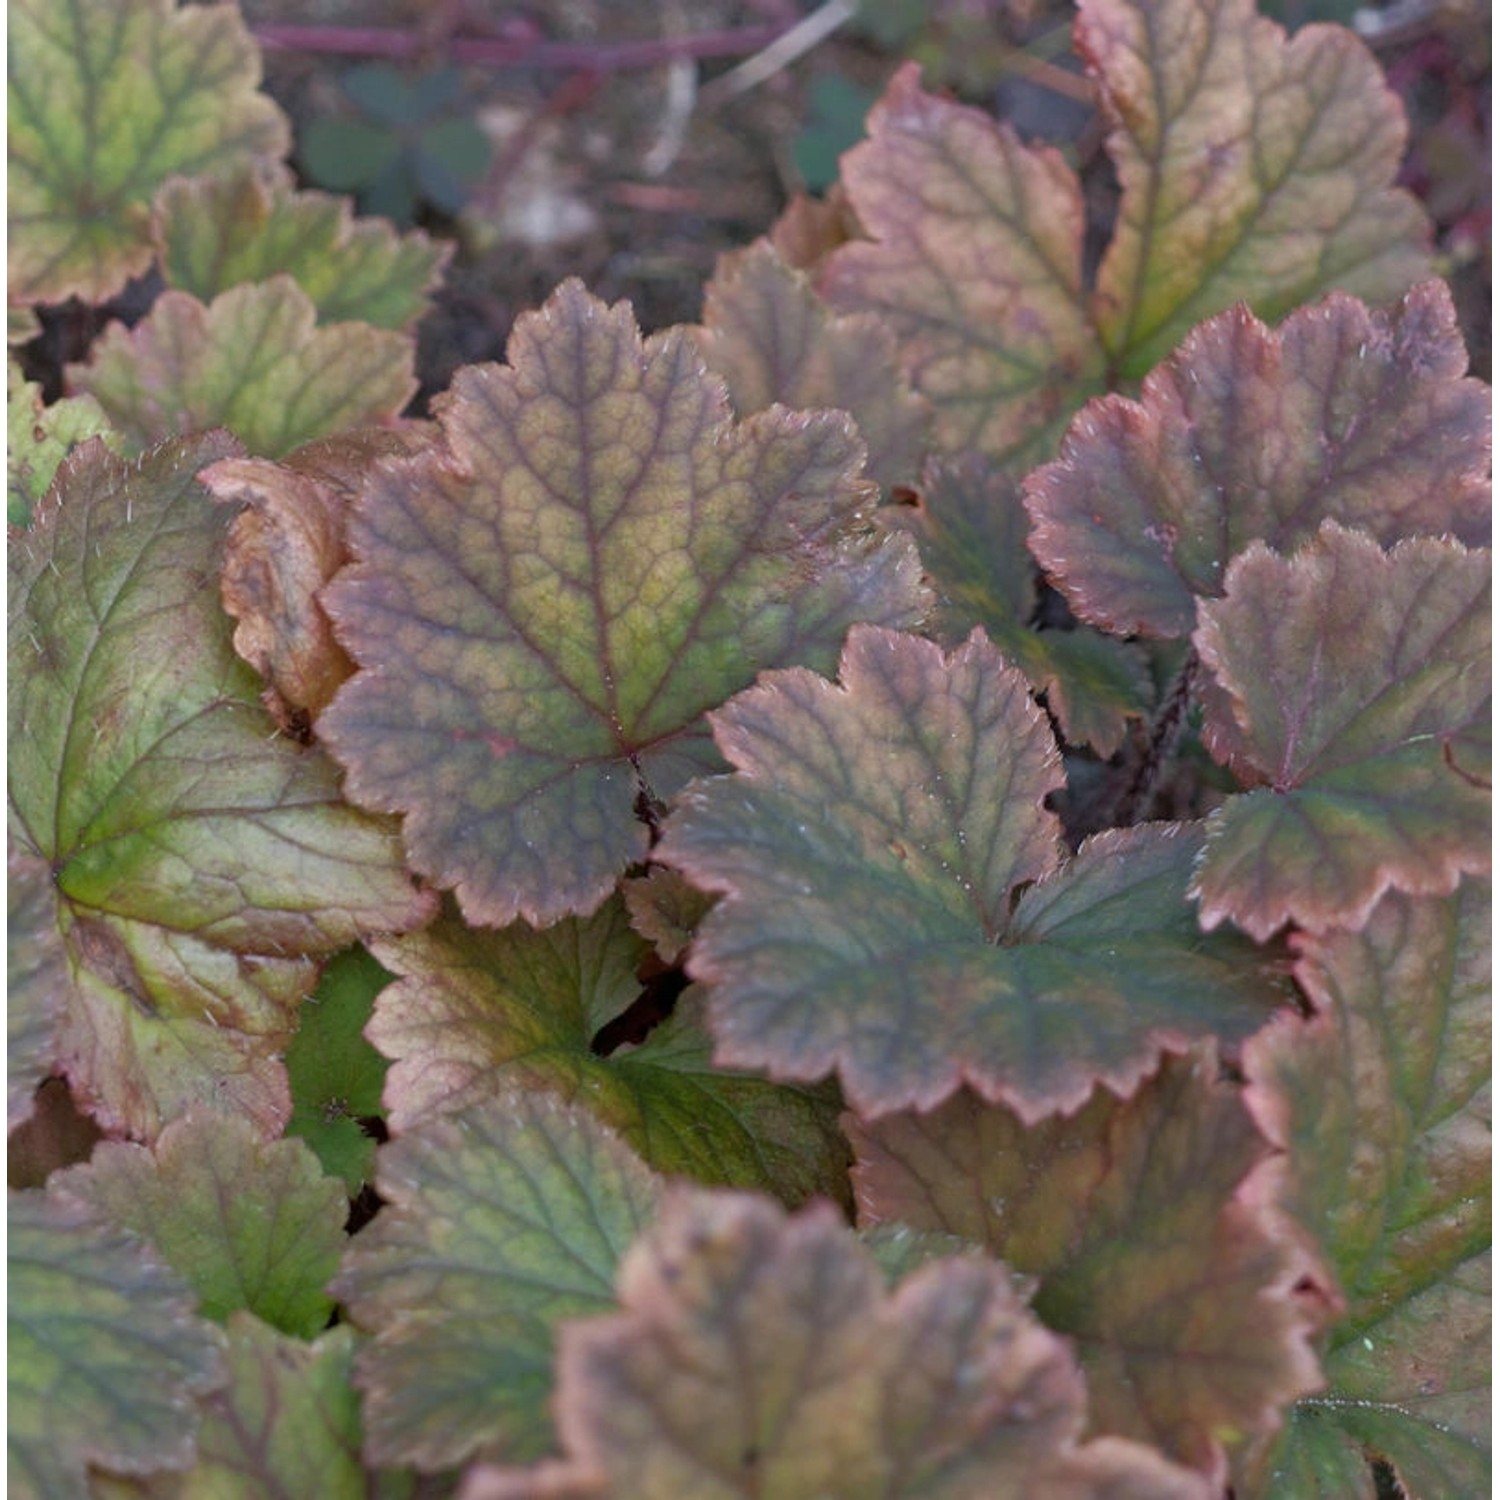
479, 1011
1177, 1297
500, 1221
200, 862
1344, 679
1253, 168
248, 1224
1250, 433
760, 1355
1381, 1104
542, 614
970, 528
770, 336
105, 1355
251, 361
37, 981
106, 102
975, 262
40, 437
868, 854
213, 233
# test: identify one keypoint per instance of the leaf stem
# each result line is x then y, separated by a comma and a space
1166, 731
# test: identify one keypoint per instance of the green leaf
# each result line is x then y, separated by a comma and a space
836, 114
1381, 1104
760, 1355
336, 1076
542, 614
347, 154
251, 361
1177, 1297
1344, 675
869, 854
104, 1353
1248, 433
106, 102
500, 1222
975, 261
1253, 168
771, 338
246, 1223
37, 980
215, 232
970, 527
199, 863
482, 1011
450, 160
40, 437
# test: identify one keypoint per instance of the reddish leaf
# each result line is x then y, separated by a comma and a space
757, 1355
869, 853
1343, 676
542, 616
665, 909
37, 987
1249, 434
1177, 1297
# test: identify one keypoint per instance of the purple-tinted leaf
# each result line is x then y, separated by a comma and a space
1253, 167
251, 361
970, 528
500, 1222
757, 1355
477, 1012
1343, 677
247, 1223
1177, 1297
773, 340
1248, 433
106, 102
868, 854
104, 1353
542, 615
37, 986
1382, 1105
665, 909
975, 261
199, 862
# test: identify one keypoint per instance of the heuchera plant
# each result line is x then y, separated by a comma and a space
900, 877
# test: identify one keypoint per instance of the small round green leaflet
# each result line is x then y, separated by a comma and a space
542, 613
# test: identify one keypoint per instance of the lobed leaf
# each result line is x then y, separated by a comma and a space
40, 437
106, 102
1253, 168
251, 361
215, 233
480, 1012
1343, 678
105, 1356
199, 863
760, 1355
1177, 1297
1252, 434
500, 1221
1381, 1104
248, 1224
869, 852
665, 908
774, 341
542, 615
975, 261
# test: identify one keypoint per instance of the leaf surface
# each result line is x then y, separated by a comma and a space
37, 981
757, 1355
1346, 679
104, 1353
214, 233
105, 103
868, 852
40, 437
199, 862
478, 1012
542, 617
1177, 1298
248, 1224
1253, 168
500, 1221
1381, 1104
975, 260
1250, 433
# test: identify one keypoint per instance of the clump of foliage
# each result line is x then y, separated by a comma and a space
884, 896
